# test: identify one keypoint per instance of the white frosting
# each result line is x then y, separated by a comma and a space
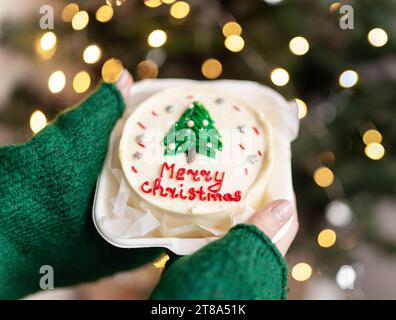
244, 160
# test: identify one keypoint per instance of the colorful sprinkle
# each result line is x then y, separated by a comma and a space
141, 125
154, 113
241, 146
236, 108
137, 155
142, 145
259, 153
256, 130
246, 171
190, 96
134, 169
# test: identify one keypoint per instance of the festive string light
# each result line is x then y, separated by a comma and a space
168, 1
81, 82
327, 238
80, 20
299, 46
48, 41
92, 54
338, 213
327, 157
179, 10
44, 54
38, 121
56, 81
348, 79
302, 108
152, 3
147, 69
111, 70
301, 271
371, 136
161, 262
335, 6
377, 37
104, 13
157, 38
234, 43
116, 3
280, 77
346, 277
69, 11
375, 151
323, 177
231, 28
211, 68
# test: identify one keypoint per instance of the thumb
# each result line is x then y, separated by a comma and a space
272, 217
124, 83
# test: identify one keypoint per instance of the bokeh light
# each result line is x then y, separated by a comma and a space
234, 43
69, 11
81, 82
348, 79
301, 271
280, 77
111, 70
299, 46
346, 277
56, 81
211, 68
92, 54
157, 38
80, 20
302, 108
104, 13
338, 213
147, 69
232, 27
371, 136
38, 121
327, 238
377, 37
48, 41
323, 177
375, 151
179, 10
152, 3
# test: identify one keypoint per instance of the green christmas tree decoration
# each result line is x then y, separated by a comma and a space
193, 133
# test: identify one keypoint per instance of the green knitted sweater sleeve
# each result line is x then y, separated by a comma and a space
242, 265
46, 193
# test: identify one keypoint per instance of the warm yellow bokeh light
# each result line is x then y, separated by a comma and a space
335, 6
56, 81
104, 13
179, 10
80, 20
301, 271
48, 41
157, 38
299, 46
111, 70
371, 136
44, 54
69, 11
147, 69
211, 68
234, 43
38, 121
375, 151
92, 54
168, 1
152, 3
348, 79
377, 37
161, 262
280, 77
302, 108
323, 177
81, 82
231, 28
327, 238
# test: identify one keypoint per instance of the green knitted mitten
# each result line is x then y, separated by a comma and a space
46, 192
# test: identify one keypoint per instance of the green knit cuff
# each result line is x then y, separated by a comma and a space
114, 93
268, 245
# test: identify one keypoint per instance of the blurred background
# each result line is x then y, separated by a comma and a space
337, 63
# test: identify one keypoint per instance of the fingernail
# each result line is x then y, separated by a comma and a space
282, 210
123, 78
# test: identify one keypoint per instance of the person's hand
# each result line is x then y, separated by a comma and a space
273, 217
47, 187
